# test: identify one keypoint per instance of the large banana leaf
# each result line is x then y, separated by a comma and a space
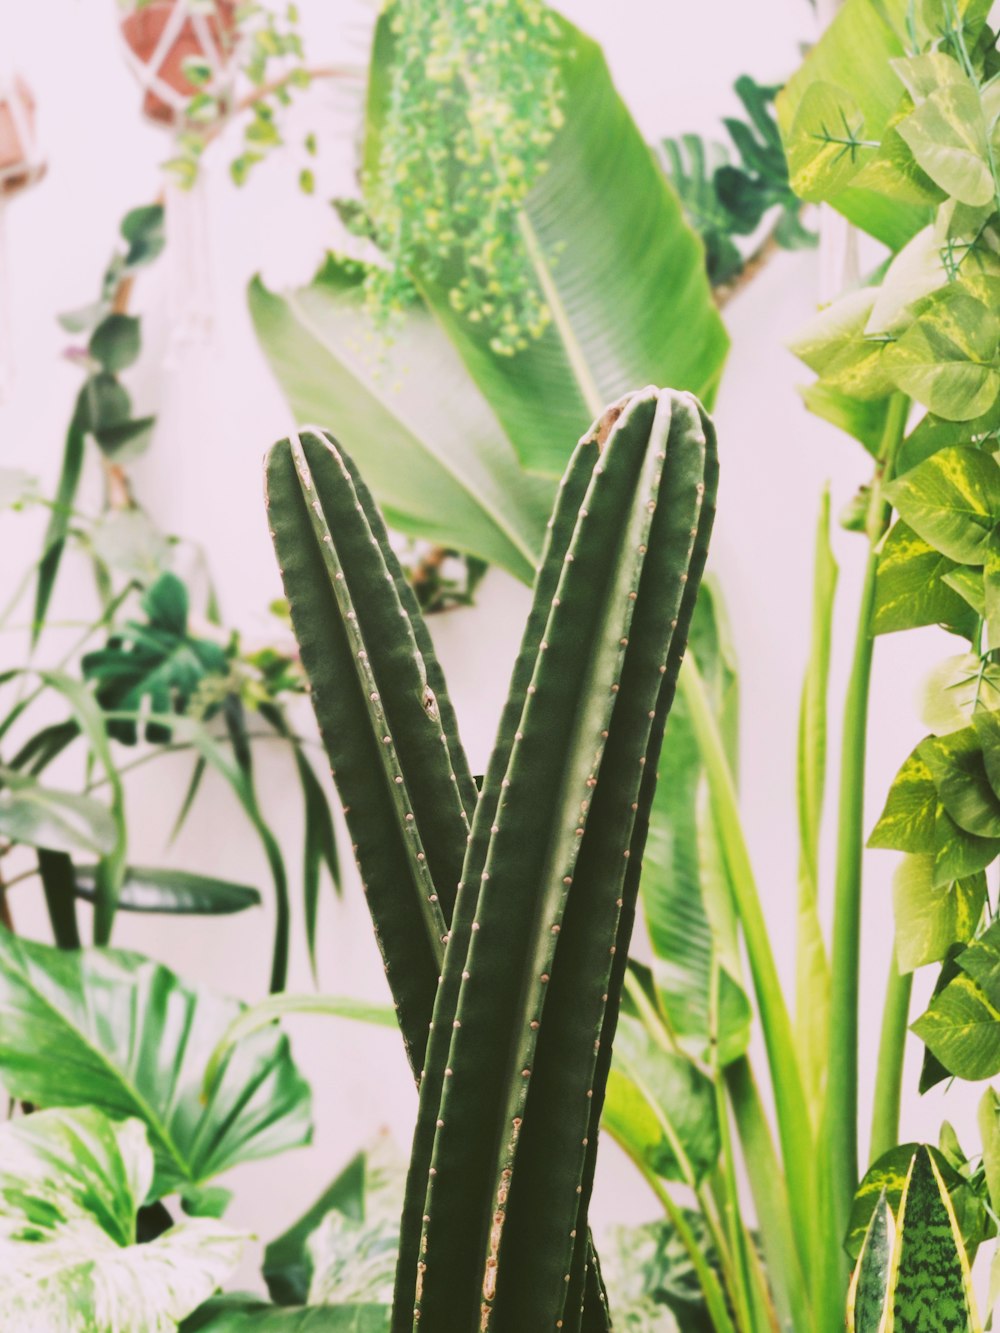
121, 1033
71, 1183
852, 59
430, 448
685, 896
610, 253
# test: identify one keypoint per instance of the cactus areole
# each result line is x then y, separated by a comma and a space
504, 916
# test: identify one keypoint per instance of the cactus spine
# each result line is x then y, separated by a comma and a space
515, 1043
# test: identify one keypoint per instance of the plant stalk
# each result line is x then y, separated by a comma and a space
891, 1055
839, 1140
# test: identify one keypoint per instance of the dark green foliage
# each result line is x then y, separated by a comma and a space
724, 199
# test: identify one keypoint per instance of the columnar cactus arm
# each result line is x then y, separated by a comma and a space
582, 1270
383, 711
550, 1191
560, 531
531, 864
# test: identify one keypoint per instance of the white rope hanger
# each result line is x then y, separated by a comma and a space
179, 30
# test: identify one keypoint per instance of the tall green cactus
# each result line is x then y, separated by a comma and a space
512, 1046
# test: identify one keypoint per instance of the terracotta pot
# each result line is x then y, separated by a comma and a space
19, 165
142, 31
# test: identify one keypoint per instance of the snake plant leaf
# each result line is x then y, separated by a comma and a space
594, 265
947, 358
931, 1284
952, 501
248, 1314
853, 54
58, 821
866, 1301
449, 477
961, 1026
826, 147
930, 917
71, 1183
948, 137
958, 768
121, 1033
661, 1107
913, 587
171, 892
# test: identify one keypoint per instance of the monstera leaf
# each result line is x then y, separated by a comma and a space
71, 1183
119, 1032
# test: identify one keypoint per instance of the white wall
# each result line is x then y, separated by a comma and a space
219, 410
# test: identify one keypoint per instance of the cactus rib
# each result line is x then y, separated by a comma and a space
385, 716
532, 858
560, 529
550, 1192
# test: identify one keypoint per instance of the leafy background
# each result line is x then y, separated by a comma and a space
676, 68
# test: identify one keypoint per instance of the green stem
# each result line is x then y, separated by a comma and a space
891, 1054
794, 1126
770, 1196
707, 1279
839, 1140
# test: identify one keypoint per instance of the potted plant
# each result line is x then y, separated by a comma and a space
20, 164
163, 37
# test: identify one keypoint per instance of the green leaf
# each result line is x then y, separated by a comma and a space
594, 265
907, 821
835, 345
143, 229
866, 1299
853, 54
947, 135
887, 1178
60, 516
957, 853
448, 477
156, 667
947, 358
59, 821
861, 418
959, 771
685, 895
103, 1027
288, 1262
952, 501
931, 918
989, 1133
661, 1107
931, 1284
961, 1026
957, 691
924, 74
172, 892
116, 343
826, 147
70, 1185
260, 1017
912, 587
246, 1314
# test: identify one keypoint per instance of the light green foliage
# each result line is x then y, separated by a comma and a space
825, 144
652, 1285
483, 82
520, 1041
71, 1183
961, 1027
123, 1034
931, 917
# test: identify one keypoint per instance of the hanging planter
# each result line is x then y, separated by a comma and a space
162, 36
21, 162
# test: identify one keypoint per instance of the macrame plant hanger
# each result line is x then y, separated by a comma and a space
159, 38
21, 166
